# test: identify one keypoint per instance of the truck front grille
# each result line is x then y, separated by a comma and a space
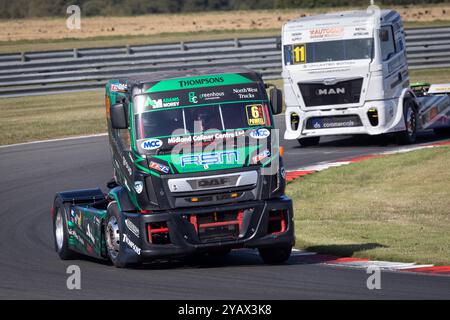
320, 94
213, 182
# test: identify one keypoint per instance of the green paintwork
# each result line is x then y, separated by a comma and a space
198, 82
85, 235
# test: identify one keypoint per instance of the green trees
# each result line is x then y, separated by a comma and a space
42, 8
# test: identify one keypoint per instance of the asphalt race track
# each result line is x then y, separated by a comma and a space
29, 267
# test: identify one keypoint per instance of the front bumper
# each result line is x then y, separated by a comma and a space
256, 227
390, 120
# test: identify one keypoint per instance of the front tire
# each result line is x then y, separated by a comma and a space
60, 231
409, 136
275, 255
309, 142
112, 232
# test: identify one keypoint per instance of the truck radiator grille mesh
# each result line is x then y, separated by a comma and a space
320, 94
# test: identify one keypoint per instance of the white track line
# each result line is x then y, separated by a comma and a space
54, 140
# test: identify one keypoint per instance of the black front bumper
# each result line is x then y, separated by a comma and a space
185, 239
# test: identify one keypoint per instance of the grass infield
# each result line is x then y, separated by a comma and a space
52, 116
394, 208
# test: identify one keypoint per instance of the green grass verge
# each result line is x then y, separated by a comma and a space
441, 75
43, 117
391, 208
60, 115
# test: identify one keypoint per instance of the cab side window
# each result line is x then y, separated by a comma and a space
387, 42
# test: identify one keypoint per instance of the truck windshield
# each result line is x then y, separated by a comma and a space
326, 51
167, 122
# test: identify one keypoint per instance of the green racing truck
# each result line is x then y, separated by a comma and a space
197, 170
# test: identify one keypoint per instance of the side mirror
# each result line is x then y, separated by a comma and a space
118, 116
276, 101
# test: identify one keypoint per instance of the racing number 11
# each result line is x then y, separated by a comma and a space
299, 53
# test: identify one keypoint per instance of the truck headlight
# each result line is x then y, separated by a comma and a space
372, 114
295, 120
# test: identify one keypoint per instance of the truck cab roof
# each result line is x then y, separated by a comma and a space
165, 75
342, 18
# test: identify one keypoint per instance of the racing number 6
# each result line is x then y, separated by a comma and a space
299, 53
255, 112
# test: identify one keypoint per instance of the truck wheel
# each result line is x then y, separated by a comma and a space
61, 232
410, 117
275, 255
309, 142
112, 235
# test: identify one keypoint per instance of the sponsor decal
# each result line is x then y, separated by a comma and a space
330, 91
317, 124
131, 244
127, 166
214, 95
326, 33
162, 103
210, 158
132, 227
193, 97
76, 217
207, 96
90, 235
201, 81
320, 124
151, 144
261, 156
177, 140
119, 87
205, 137
159, 167
213, 182
255, 115
246, 93
296, 37
361, 32
75, 235
260, 133
139, 186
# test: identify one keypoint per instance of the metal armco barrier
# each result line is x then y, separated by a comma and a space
34, 73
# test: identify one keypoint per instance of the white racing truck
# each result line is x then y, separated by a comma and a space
346, 73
